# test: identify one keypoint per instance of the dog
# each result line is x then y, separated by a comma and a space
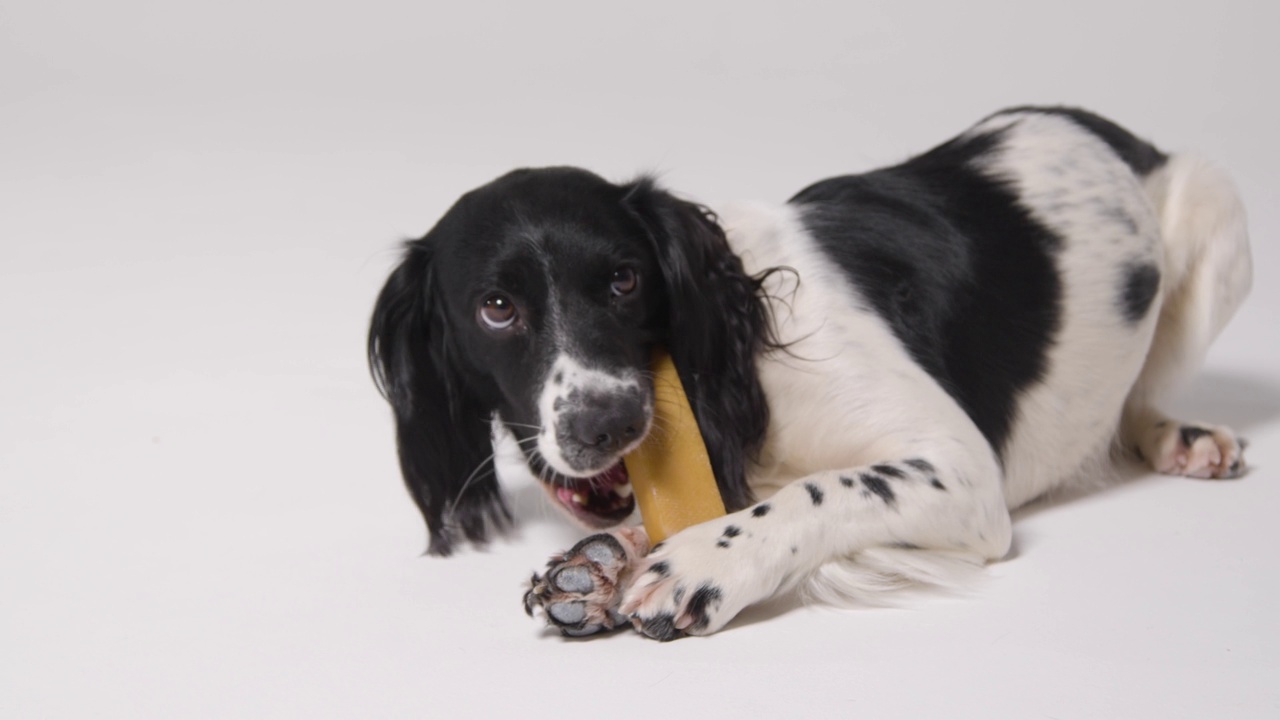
882, 367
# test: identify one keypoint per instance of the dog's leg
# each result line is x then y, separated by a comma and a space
1206, 274
699, 579
582, 588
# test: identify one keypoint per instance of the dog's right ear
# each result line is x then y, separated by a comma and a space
442, 428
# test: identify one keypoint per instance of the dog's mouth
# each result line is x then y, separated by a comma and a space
598, 501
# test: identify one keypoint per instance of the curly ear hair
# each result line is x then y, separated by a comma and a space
442, 427
717, 324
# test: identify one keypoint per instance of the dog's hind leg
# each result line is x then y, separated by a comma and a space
1206, 273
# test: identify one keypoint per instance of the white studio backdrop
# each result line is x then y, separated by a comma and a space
200, 509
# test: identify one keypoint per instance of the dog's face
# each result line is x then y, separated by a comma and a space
551, 290
538, 300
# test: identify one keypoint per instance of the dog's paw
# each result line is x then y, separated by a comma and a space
693, 583
582, 588
1195, 450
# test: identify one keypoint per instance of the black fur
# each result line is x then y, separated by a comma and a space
661, 627
1189, 434
888, 470
716, 326
920, 464
965, 277
1138, 289
815, 493
445, 376
442, 431
703, 598
878, 486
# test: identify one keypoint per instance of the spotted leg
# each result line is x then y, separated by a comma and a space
700, 578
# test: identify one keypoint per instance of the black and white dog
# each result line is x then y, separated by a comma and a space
882, 367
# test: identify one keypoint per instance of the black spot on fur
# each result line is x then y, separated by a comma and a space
815, 493
934, 243
559, 378
922, 465
722, 543
702, 600
677, 597
1137, 289
1189, 435
761, 510
846, 481
937, 483
879, 487
888, 471
794, 549
732, 531
661, 568
660, 627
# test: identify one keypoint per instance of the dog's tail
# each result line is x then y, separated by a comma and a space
1207, 269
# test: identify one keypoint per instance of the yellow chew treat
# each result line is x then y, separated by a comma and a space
671, 471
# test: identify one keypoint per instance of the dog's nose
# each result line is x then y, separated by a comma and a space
608, 425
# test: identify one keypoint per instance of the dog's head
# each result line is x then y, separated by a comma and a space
537, 300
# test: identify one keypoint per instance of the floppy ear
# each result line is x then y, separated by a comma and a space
716, 326
442, 428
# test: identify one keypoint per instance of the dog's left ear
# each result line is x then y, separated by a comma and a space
442, 426
716, 324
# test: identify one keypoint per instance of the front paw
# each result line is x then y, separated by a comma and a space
582, 588
694, 583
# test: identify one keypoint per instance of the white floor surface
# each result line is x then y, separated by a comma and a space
200, 509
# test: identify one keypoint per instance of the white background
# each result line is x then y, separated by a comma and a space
200, 509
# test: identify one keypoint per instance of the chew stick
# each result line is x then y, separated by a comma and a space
670, 472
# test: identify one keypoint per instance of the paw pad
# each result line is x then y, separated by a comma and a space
581, 589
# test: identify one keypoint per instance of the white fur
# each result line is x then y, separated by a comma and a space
575, 377
846, 394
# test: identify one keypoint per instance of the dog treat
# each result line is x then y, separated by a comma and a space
670, 472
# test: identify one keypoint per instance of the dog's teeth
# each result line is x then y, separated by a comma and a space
578, 498
623, 490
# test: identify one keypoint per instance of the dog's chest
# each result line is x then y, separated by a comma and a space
844, 392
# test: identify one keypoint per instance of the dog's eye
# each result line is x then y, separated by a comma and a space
498, 312
625, 280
